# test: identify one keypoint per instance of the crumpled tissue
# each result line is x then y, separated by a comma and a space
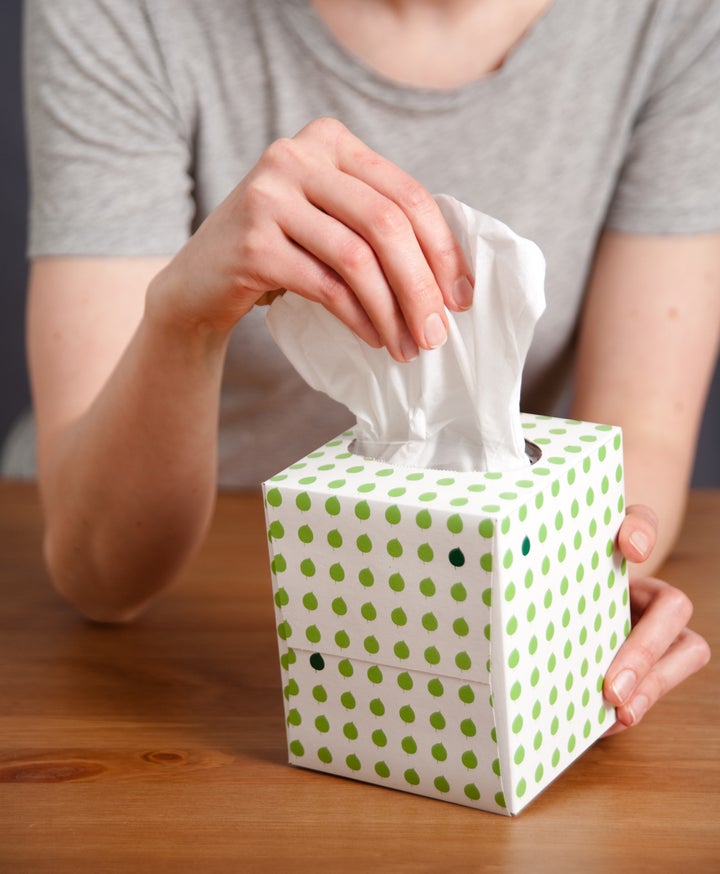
452, 408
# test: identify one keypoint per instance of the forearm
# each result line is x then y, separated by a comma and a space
128, 487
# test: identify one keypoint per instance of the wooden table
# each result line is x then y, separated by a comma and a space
160, 746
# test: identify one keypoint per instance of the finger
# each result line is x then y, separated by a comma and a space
441, 250
638, 533
314, 280
349, 255
666, 615
688, 654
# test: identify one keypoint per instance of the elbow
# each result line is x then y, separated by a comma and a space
97, 600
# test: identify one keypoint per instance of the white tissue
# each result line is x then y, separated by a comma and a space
452, 408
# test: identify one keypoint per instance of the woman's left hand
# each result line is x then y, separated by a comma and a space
661, 651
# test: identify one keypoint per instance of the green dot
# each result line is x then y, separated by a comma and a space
381, 769
463, 661
322, 724
431, 655
519, 755
303, 502
427, 496
362, 510
394, 548
405, 681
517, 724
291, 689
472, 792
486, 528
399, 616
276, 531
437, 720
458, 592
554, 726
500, 800
455, 524
281, 598
535, 677
307, 567
435, 688
571, 743
411, 777
508, 559
510, 591
347, 699
397, 493
345, 668
350, 731
515, 691
425, 552
429, 622
555, 757
539, 771
279, 565
342, 639
284, 630
296, 748
379, 738
339, 607
427, 587
512, 625
371, 645
423, 519
401, 650
487, 597
324, 755
332, 506
353, 762
409, 745
468, 728
496, 767
407, 714
364, 544
375, 675
438, 752
337, 572
469, 759
393, 515
368, 611
274, 497
377, 708
319, 693
313, 634
366, 577
533, 645
305, 534
334, 538
460, 627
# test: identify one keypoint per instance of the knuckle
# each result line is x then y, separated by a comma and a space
417, 198
678, 604
699, 649
280, 154
388, 220
354, 256
326, 128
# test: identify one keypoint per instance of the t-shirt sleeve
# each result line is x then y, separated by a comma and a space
108, 154
670, 180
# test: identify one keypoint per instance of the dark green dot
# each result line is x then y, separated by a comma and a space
456, 557
317, 661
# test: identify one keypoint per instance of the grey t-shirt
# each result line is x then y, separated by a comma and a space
143, 114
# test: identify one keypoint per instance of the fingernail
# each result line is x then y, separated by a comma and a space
638, 708
640, 541
409, 349
463, 293
623, 684
435, 333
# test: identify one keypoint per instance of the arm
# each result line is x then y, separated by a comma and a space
648, 344
127, 354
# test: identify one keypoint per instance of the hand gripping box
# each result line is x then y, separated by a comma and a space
448, 633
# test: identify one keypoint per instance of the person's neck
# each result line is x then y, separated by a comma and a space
430, 43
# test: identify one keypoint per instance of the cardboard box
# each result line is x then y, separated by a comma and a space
448, 633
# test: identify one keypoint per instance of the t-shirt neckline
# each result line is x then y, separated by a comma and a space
327, 51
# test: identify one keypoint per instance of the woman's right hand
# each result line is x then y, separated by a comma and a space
325, 216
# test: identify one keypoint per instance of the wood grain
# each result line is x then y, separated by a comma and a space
160, 746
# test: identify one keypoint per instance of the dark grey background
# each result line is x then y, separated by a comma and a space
14, 393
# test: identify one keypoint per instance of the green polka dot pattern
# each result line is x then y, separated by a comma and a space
463, 621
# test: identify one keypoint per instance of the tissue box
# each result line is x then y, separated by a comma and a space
448, 633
